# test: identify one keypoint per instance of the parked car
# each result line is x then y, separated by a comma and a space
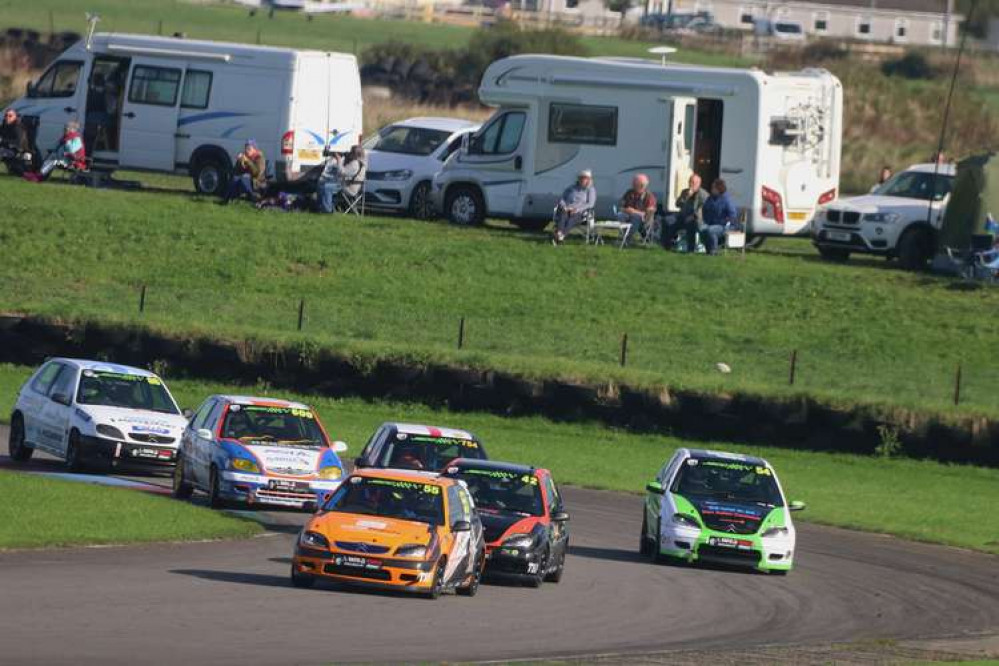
719, 507
257, 451
780, 29
399, 530
668, 22
523, 517
418, 447
403, 158
95, 414
900, 218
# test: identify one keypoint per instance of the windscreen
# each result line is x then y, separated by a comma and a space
117, 389
727, 480
260, 424
503, 491
389, 498
917, 185
410, 140
427, 452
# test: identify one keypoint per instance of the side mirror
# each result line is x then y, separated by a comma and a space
205, 433
339, 446
462, 526
187, 412
560, 517
796, 506
655, 487
61, 398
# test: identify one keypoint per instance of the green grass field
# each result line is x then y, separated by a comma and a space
919, 500
228, 22
380, 287
40, 513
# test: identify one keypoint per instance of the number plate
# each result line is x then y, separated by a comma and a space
284, 484
726, 542
311, 155
357, 562
842, 236
143, 453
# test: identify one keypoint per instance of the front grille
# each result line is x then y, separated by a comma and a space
851, 217
265, 493
731, 524
728, 554
361, 547
374, 574
152, 439
832, 215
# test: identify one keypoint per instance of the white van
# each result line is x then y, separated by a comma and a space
774, 138
184, 106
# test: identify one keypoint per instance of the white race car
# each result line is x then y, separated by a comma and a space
96, 414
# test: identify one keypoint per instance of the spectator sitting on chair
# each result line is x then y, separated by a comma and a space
352, 171
576, 202
719, 215
69, 154
249, 175
329, 183
15, 146
691, 205
637, 205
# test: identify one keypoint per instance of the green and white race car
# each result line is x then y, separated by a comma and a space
719, 507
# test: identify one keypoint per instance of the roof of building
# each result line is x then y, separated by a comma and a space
908, 6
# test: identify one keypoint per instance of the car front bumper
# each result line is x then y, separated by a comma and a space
260, 489
865, 237
512, 561
742, 550
367, 570
117, 453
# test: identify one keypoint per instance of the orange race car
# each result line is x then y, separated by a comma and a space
401, 530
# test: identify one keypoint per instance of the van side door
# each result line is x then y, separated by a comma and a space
149, 115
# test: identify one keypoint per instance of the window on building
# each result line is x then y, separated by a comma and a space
937, 33
197, 87
864, 27
578, 123
901, 29
154, 85
746, 16
820, 22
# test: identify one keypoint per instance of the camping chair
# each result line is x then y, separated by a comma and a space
653, 231
585, 227
353, 204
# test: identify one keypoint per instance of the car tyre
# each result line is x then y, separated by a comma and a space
16, 446
437, 585
211, 176
471, 588
836, 254
915, 248
421, 204
537, 580
215, 499
556, 575
656, 552
301, 580
74, 462
778, 572
644, 547
464, 206
182, 488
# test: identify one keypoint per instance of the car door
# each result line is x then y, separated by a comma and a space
654, 501
558, 530
459, 508
34, 399
58, 409
188, 441
203, 448
149, 115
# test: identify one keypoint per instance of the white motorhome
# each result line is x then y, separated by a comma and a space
184, 106
774, 138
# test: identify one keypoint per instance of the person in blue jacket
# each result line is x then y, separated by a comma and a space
719, 215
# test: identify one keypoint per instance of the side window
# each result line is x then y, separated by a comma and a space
689, 125
64, 383
199, 418
212, 422
582, 124
502, 136
154, 85
369, 448
466, 503
197, 88
59, 80
454, 513
554, 501
451, 148
45, 377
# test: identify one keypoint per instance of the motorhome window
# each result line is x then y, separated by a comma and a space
59, 81
784, 131
576, 123
500, 137
154, 85
689, 125
197, 87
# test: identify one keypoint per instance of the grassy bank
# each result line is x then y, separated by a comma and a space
41, 512
394, 287
919, 500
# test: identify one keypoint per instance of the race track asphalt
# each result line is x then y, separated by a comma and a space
230, 602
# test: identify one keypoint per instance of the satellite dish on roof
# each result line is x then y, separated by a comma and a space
662, 51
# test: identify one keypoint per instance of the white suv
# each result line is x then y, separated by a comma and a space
898, 219
91, 413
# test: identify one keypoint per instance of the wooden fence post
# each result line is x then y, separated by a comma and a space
301, 313
461, 333
624, 350
794, 367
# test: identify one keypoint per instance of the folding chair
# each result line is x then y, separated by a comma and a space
652, 234
353, 204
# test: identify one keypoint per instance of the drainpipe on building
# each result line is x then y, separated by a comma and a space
946, 25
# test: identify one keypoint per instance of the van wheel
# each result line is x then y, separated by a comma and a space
182, 488
211, 177
915, 249
16, 446
464, 206
421, 205
837, 254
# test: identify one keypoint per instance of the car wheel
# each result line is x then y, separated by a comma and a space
472, 586
16, 446
464, 206
421, 205
644, 547
437, 585
182, 488
215, 499
74, 463
556, 575
836, 254
537, 580
915, 249
211, 177
778, 572
656, 551
301, 580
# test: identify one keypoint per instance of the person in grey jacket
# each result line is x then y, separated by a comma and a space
575, 203
690, 215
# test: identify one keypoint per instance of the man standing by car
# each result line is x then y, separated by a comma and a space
15, 147
637, 206
691, 205
576, 202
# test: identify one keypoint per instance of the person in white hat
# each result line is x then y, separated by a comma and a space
576, 202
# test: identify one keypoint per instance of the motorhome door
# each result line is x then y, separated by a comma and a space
149, 115
682, 124
496, 154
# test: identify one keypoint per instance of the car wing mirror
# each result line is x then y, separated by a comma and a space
187, 413
61, 398
560, 517
462, 526
339, 447
796, 506
655, 487
205, 433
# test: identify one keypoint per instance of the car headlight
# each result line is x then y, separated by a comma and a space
313, 540
685, 520
518, 541
774, 532
881, 218
244, 465
109, 431
411, 550
330, 473
399, 174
